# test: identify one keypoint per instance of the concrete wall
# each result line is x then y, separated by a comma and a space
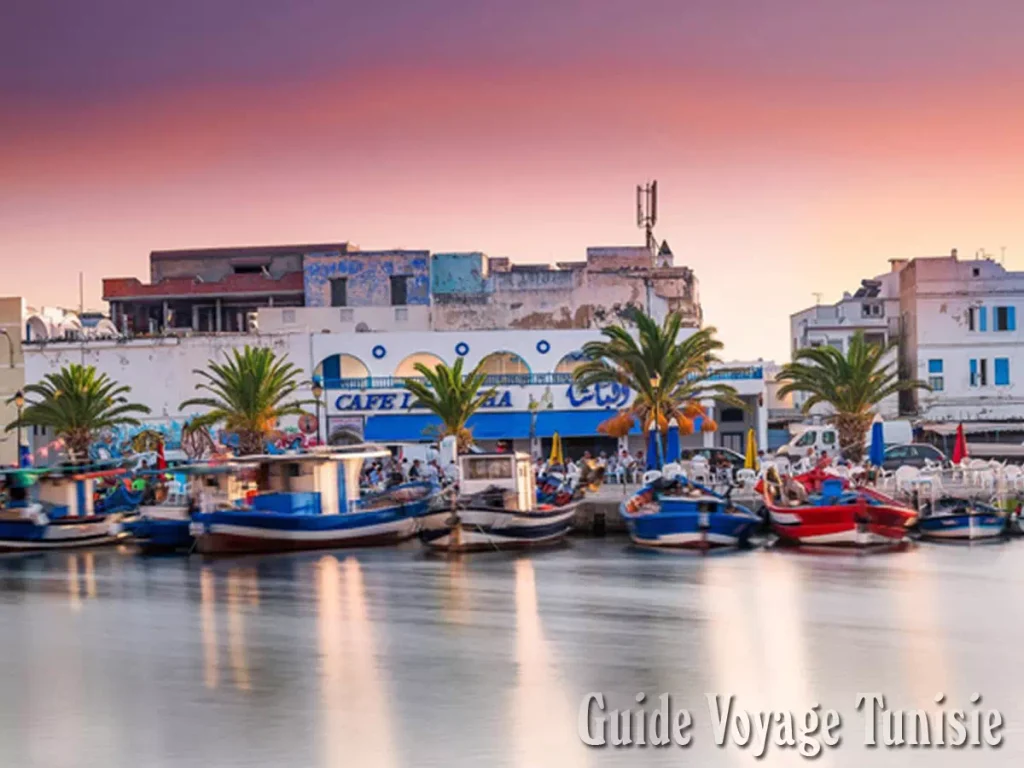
368, 274
455, 273
215, 268
12, 373
342, 319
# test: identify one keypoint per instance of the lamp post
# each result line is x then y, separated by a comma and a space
318, 392
19, 403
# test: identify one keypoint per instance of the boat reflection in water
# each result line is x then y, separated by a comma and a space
539, 699
357, 724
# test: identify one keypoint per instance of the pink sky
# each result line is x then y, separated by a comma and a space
781, 175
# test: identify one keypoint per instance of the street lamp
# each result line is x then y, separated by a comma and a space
318, 392
19, 403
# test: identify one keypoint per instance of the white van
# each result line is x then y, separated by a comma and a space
824, 438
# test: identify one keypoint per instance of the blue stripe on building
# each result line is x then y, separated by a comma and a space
574, 423
414, 427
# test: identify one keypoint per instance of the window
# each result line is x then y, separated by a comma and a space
899, 452
1004, 319
1001, 371
247, 269
731, 414
399, 290
935, 378
979, 373
288, 316
807, 438
872, 310
489, 469
975, 272
401, 314
828, 437
875, 338
977, 318
339, 291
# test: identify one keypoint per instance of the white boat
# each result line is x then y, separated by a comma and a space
497, 508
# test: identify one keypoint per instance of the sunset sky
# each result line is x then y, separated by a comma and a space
798, 144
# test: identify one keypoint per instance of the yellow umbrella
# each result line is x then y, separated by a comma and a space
557, 459
751, 458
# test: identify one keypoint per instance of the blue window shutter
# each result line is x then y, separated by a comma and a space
982, 318
934, 366
1002, 371
974, 373
1011, 318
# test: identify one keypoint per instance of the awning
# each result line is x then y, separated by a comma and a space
972, 427
418, 427
574, 423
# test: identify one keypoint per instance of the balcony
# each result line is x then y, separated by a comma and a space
750, 373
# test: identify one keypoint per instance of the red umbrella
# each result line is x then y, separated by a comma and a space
960, 448
161, 462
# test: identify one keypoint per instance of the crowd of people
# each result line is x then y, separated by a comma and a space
622, 467
397, 470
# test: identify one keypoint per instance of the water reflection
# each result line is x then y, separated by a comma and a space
208, 622
357, 724
238, 580
541, 708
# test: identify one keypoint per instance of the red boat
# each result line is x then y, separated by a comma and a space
837, 516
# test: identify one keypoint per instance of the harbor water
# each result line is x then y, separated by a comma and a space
392, 657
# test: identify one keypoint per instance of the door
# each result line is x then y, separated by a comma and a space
733, 441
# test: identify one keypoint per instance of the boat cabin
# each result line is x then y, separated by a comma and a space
510, 471
322, 482
70, 493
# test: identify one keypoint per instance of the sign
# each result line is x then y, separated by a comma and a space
603, 395
402, 401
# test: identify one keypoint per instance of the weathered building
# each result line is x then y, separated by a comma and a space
473, 292
210, 290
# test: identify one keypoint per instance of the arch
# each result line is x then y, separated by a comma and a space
342, 366
570, 362
407, 367
36, 328
504, 363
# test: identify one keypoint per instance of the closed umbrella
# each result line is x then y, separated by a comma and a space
960, 448
876, 454
672, 443
653, 447
557, 459
750, 460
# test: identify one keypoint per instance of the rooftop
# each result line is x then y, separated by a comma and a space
250, 251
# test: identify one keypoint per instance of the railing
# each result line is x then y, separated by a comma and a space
753, 372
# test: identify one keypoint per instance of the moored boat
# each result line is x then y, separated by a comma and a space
951, 519
313, 501
498, 507
53, 509
835, 516
672, 512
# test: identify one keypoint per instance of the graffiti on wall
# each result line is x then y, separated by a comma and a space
367, 277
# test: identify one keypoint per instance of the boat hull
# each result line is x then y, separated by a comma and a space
962, 527
692, 530
491, 529
226, 532
848, 525
65, 533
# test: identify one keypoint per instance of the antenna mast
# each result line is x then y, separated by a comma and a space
647, 211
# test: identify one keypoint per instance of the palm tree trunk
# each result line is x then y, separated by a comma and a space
852, 428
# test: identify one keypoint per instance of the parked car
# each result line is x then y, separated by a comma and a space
714, 456
912, 455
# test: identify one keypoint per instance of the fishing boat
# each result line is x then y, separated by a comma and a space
671, 511
498, 507
164, 519
117, 498
312, 501
834, 515
53, 509
953, 519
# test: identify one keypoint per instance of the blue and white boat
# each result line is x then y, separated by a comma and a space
498, 508
672, 512
312, 501
53, 509
961, 520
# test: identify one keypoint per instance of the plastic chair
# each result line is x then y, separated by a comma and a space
746, 478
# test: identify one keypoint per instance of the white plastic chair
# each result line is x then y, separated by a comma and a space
700, 472
905, 478
746, 478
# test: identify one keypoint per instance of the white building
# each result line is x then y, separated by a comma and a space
960, 334
362, 375
873, 309
956, 326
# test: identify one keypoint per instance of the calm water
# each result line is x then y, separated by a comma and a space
393, 658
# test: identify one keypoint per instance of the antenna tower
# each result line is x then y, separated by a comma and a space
647, 211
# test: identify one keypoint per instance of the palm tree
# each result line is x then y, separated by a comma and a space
76, 402
669, 377
249, 394
852, 384
451, 396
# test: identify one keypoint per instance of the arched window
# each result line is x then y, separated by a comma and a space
504, 364
570, 362
407, 367
342, 367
